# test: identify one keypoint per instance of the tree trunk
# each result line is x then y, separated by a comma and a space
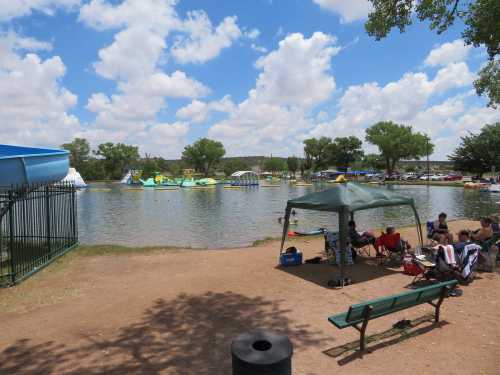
393, 166
388, 166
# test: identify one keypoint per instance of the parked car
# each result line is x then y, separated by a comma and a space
374, 176
453, 177
432, 177
392, 177
409, 176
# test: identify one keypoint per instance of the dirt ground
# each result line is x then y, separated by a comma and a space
176, 312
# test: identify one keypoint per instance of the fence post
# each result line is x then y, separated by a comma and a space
74, 213
47, 216
11, 238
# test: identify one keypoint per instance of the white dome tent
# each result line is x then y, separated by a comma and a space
74, 178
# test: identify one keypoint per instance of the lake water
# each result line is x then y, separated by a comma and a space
220, 217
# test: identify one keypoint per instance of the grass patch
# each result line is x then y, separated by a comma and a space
424, 183
97, 250
264, 241
287, 239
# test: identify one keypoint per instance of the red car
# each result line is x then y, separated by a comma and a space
453, 177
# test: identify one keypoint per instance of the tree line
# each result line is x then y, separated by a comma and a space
477, 153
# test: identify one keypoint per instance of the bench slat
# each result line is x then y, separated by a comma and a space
388, 305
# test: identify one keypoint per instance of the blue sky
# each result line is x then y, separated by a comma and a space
260, 76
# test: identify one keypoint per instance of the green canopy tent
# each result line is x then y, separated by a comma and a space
345, 199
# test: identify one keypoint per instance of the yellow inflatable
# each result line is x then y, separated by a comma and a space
340, 179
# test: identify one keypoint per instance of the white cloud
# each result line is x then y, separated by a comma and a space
198, 111
11, 44
252, 34
35, 106
135, 53
158, 15
139, 101
135, 61
204, 42
258, 48
349, 10
293, 79
164, 139
10, 9
447, 53
297, 73
451, 76
407, 101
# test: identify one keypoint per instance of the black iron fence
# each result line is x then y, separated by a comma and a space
38, 223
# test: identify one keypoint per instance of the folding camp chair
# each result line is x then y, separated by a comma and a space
331, 249
362, 248
430, 232
391, 247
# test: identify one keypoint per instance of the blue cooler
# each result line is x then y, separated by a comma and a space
291, 259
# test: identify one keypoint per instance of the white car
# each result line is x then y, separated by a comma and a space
432, 177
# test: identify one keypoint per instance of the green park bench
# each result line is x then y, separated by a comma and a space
360, 314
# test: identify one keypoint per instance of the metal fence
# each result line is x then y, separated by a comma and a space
38, 223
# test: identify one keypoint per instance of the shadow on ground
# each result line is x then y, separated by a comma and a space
350, 351
188, 335
365, 269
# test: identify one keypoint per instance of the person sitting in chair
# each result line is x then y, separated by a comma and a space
463, 240
440, 232
485, 232
359, 239
392, 241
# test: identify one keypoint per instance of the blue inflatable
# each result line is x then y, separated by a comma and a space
29, 165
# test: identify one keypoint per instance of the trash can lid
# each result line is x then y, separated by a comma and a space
262, 348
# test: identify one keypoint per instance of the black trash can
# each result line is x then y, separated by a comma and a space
262, 353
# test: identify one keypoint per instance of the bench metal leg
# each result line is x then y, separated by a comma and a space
444, 294
362, 335
362, 330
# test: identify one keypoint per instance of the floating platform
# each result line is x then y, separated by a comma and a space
172, 188
29, 165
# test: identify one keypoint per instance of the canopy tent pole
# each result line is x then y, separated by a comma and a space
343, 233
285, 227
419, 226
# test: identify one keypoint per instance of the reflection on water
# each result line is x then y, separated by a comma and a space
215, 218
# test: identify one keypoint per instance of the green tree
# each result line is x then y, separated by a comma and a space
117, 158
93, 170
175, 168
79, 153
274, 165
317, 152
479, 153
232, 165
292, 164
149, 165
397, 142
373, 162
344, 151
203, 154
480, 17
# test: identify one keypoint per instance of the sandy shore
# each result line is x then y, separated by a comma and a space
176, 312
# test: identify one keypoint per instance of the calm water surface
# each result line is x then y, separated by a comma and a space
220, 217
